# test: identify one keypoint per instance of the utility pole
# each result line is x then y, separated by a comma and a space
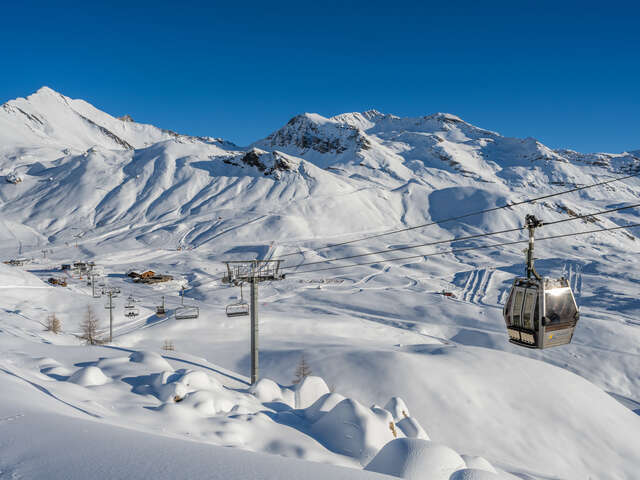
111, 292
253, 272
254, 331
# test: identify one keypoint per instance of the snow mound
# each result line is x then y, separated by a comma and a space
150, 359
209, 404
199, 394
354, 430
167, 388
266, 390
474, 474
416, 459
174, 386
478, 463
197, 380
398, 408
89, 376
321, 406
412, 429
309, 390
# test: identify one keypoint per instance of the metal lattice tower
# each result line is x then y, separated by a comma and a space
253, 272
111, 292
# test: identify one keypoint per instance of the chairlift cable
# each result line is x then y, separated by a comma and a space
465, 249
468, 237
460, 217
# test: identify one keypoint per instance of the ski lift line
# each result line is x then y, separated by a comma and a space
466, 249
460, 217
468, 237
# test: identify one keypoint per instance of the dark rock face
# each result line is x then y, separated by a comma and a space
280, 164
271, 164
252, 158
303, 133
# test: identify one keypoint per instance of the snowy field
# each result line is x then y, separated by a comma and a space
405, 381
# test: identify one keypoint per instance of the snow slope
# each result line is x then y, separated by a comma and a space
151, 199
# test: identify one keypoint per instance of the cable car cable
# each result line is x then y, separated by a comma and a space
459, 217
469, 237
465, 249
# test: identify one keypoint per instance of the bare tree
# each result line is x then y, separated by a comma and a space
303, 370
89, 328
53, 324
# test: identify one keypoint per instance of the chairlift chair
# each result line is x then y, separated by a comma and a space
186, 312
540, 312
160, 310
130, 309
238, 309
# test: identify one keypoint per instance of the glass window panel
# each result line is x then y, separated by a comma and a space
517, 307
559, 306
527, 311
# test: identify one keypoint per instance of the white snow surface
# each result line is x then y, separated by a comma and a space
460, 402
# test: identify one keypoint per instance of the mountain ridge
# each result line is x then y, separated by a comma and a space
375, 168
361, 120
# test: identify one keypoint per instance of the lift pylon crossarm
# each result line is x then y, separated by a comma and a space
252, 270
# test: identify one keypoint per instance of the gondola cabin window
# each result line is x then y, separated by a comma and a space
559, 306
527, 311
517, 308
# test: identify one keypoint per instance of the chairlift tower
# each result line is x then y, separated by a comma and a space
253, 272
111, 292
93, 286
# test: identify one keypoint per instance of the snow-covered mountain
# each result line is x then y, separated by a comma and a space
135, 196
388, 167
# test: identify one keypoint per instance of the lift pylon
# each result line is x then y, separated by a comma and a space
253, 272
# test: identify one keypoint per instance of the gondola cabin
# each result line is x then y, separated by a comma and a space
540, 313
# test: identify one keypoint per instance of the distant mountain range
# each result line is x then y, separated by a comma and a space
81, 168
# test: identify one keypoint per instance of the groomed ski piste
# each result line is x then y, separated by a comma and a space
405, 381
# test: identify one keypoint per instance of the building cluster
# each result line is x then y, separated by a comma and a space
149, 277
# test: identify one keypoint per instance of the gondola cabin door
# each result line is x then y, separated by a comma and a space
522, 314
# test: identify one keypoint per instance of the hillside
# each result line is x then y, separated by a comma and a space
137, 197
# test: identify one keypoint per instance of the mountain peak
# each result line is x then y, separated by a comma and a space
46, 92
48, 117
445, 116
308, 118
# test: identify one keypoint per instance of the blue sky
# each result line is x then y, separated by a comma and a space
567, 73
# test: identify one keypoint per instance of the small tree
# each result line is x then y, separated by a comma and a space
303, 370
89, 328
53, 324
